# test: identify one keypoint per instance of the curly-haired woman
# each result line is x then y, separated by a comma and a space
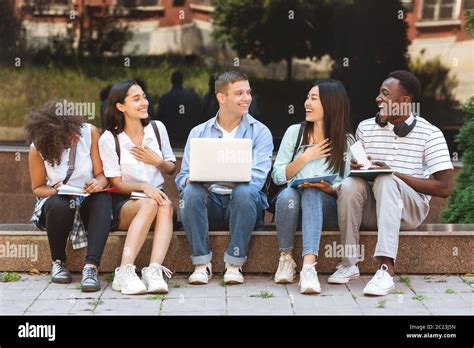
54, 138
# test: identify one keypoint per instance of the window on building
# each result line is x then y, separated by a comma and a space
179, 3
468, 4
437, 10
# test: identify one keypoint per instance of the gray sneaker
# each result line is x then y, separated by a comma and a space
90, 281
59, 273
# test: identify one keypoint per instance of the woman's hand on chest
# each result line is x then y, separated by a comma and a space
146, 155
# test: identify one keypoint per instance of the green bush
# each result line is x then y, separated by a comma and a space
460, 208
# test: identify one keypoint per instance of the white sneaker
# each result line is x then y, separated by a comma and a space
381, 283
127, 281
343, 274
286, 271
309, 282
201, 274
152, 277
233, 274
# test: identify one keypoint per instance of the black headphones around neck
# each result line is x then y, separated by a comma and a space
401, 129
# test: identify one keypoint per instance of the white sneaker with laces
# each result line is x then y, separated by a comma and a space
127, 282
286, 271
343, 274
152, 277
201, 274
309, 282
233, 274
381, 283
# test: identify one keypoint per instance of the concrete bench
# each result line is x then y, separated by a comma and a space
16, 189
431, 249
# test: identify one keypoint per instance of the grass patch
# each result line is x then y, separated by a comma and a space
223, 283
33, 85
109, 277
405, 280
95, 302
450, 291
468, 281
263, 294
156, 297
420, 297
77, 286
399, 292
176, 285
7, 277
381, 304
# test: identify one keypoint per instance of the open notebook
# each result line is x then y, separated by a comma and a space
370, 174
316, 178
78, 191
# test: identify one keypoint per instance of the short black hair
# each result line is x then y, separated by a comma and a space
409, 82
177, 78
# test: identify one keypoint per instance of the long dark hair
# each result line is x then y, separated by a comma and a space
337, 123
114, 118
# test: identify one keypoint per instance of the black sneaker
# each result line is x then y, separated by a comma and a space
90, 281
59, 273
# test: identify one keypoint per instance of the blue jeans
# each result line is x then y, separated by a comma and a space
239, 212
311, 207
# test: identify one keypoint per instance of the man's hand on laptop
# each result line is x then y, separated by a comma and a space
381, 165
228, 185
356, 165
155, 193
146, 155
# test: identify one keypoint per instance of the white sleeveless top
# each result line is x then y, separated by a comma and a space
83, 170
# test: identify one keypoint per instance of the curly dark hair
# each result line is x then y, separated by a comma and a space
50, 132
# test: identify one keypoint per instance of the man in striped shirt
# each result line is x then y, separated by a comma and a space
399, 139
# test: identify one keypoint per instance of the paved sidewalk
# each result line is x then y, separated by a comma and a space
415, 295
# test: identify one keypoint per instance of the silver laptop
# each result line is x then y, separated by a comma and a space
220, 160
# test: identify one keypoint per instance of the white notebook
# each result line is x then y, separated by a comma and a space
72, 191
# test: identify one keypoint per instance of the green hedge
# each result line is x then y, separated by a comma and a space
460, 208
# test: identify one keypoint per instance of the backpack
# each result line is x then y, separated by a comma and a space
271, 189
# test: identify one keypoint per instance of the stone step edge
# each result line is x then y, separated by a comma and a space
270, 233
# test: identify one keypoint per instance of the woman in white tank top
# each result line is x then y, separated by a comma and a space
145, 153
53, 141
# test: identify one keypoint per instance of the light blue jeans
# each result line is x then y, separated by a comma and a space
239, 212
310, 208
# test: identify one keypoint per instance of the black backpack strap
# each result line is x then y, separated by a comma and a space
298, 140
157, 133
71, 163
117, 146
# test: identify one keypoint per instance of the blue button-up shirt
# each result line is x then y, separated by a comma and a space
248, 128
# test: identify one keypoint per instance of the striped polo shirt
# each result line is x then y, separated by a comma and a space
420, 154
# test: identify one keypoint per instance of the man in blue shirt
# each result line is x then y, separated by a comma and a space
237, 207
